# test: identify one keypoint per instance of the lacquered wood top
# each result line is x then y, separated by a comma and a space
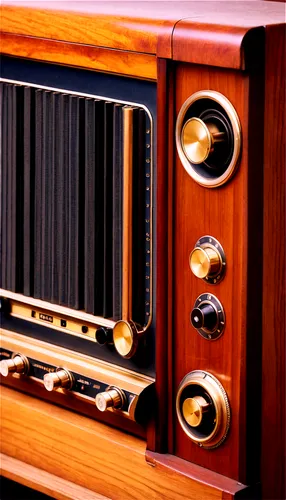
148, 27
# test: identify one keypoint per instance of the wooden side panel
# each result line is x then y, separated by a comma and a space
274, 271
226, 214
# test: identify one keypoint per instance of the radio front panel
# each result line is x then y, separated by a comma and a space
77, 208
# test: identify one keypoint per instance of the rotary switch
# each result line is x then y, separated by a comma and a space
193, 410
199, 139
203, 409
103, 336
207, 316
207, 260
17, 364
112, 398
60, 378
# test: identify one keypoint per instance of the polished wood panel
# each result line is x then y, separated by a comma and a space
94, 456
225, 213
80, 55
107, 24
42, 481
148, 28
274, 270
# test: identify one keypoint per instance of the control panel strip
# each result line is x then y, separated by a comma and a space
107, 386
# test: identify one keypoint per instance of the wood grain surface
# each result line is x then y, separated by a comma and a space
231, 213
80, 55
94, 456
274, 275
146, 28
39, 480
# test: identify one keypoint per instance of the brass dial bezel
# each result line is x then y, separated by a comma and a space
209, 298
218, 396
236, 127
208, 241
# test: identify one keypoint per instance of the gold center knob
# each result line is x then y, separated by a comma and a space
193, 409
109, 399
204, 262
198, 139
124, 338
60, 378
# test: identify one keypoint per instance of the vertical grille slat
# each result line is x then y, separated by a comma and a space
73, 206
62, 169
4, 185
94, 160
117, 212
29, 174
38, 194
62, 199
108, 202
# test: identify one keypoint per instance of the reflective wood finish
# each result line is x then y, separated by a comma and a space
274, 270
232, 214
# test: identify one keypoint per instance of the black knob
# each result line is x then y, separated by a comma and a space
103, 336
204, 316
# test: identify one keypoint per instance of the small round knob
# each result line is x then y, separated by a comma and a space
60, 378
125, 338
103, 336
18, 364
193, 410
204, 316
205, 262
113, 398
198, 139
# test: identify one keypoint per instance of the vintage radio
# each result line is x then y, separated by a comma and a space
141, 212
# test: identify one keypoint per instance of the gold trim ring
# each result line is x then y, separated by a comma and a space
219, 399
236, 128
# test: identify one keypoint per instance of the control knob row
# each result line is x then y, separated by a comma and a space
113, 397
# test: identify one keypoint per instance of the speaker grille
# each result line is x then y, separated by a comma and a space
62, 196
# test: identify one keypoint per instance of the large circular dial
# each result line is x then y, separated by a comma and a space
208, 138
203, 409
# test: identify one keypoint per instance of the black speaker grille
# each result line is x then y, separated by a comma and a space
61, 199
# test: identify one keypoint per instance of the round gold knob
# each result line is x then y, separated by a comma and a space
60, 378
205, 262
18, 364
193, 409
198, 139
113, 398
125, 338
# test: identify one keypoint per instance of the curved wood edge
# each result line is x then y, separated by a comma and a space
217, 45
42, 481
85, 56
230, 488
